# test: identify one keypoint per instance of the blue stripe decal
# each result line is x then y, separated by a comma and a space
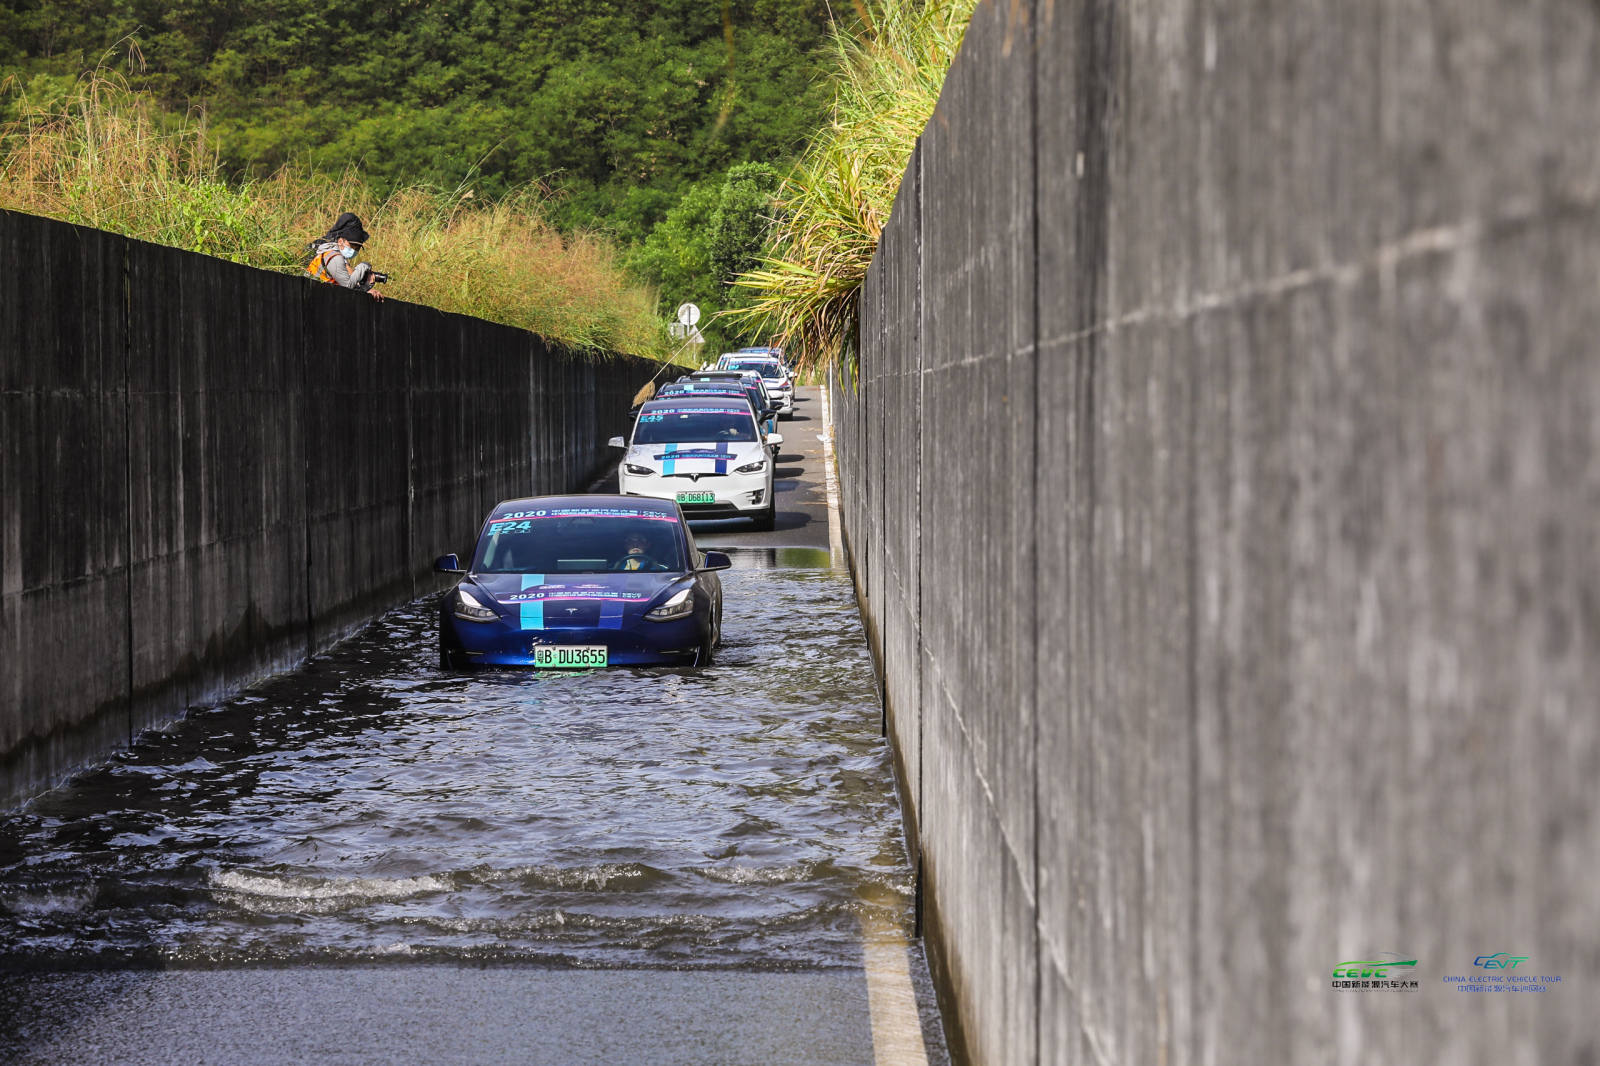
722, 463
611, 614
669, 463
533, 614
530, 581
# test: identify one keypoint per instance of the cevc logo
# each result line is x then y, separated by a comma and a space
1500, 960
1371, 969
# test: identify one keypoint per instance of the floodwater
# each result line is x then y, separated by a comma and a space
371, 808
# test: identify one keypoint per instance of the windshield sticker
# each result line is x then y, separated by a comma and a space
655, 413
522, 521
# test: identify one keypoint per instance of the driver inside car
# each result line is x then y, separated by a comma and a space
638, 554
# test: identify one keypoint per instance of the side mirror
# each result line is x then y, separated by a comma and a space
616, 442
448, 564
716, 561
774, 438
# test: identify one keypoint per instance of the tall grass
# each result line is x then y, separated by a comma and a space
112, 159
833, 206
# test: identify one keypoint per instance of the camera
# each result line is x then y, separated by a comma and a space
379, 278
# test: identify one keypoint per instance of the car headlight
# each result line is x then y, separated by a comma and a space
469, 609
751, 468
634, 468
680, 605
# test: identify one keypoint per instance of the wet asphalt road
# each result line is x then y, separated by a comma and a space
370, 861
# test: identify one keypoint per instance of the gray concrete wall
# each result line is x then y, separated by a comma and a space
210, 472
1222, 492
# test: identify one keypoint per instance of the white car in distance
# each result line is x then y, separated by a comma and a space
778, 382
707, 454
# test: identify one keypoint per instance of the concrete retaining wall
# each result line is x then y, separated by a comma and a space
210, 472
1223, 496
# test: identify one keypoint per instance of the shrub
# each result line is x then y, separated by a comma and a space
831, 209
109, 158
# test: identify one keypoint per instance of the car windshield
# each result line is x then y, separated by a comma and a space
576, 540
703, 389
667, 425
765, 367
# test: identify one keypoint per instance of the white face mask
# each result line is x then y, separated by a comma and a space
348, 253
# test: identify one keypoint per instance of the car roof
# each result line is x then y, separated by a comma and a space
716, 389
692, 402
587, 501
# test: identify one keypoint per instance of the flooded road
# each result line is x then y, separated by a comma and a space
369, 806
372, 860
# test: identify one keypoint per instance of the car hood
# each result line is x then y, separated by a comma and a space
607, 601
718, 457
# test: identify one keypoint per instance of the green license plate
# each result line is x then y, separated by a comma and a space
569, 656
697, 497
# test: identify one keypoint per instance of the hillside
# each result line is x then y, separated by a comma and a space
616, 106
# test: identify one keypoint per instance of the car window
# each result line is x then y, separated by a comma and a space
575, 540
703, 389
765, 367
693, 425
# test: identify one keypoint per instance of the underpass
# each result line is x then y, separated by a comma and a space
369, 860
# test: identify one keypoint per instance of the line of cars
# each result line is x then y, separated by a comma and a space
573, 582
709, 440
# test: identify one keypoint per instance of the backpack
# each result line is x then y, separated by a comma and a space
314, 262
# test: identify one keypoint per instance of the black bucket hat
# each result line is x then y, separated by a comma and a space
349, 227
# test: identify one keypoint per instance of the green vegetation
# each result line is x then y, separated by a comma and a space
110, 158
833, 206
617, 106
715, 233
620, 112
499, 152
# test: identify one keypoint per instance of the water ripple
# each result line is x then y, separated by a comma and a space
369, 807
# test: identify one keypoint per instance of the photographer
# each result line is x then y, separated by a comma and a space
331, 256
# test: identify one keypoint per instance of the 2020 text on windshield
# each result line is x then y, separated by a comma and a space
678, 427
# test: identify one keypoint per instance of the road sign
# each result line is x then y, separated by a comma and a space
680, 332
688, 314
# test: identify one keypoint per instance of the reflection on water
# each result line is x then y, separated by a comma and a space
370, 807
776, 558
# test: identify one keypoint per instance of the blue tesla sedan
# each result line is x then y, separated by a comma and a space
575, 582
